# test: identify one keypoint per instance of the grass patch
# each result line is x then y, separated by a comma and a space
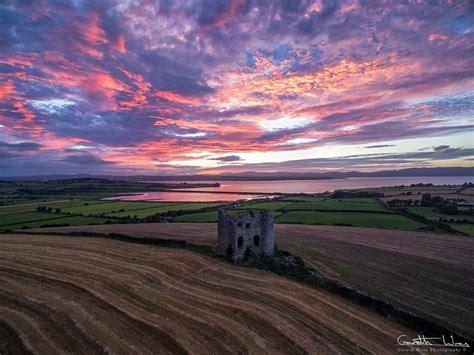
340, 205
347, 272
271, 205
207, 217
356, 219
35, 204
62, 221
465, 228
202, 217
433, 214
303, 198
27, 217
111, 207
165, 207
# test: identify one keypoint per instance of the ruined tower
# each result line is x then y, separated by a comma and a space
247, 232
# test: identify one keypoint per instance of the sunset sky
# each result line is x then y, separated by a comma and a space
211, 86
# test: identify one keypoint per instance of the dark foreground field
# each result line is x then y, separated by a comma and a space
86, 295
430, 274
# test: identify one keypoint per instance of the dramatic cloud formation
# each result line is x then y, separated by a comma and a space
231, 85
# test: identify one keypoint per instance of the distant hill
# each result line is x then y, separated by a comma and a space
254, 176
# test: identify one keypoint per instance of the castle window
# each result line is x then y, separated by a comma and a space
240, 242
247, 225
239, 224
256, 240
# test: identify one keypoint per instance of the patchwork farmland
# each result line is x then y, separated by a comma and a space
399, 253
356, 212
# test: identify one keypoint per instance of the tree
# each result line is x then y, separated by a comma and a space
426, 200
448, 208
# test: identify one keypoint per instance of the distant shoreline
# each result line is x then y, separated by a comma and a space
265, 176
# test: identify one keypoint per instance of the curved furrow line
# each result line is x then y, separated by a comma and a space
82, 316
285, 307
208, 328
144, 334
279, 336
173, 300
10, 340
301, 324
55, 325
27, 330
170, 316
253, 296
390, 333
285, 344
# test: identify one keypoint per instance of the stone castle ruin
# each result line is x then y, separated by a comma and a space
243, 233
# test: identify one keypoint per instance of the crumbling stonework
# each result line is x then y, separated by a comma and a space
242, 233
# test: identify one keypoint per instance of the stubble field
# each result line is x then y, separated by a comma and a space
429, 274
86, 295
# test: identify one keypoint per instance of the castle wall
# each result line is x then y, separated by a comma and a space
268, 245
247, 232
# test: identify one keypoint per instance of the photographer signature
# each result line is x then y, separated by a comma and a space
421, 340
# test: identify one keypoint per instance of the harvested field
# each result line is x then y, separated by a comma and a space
86, 295
183, 231
426, 273
467, 191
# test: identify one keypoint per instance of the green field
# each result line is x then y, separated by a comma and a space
273, 205
357, 212
31, 207
434, 214
465, 228
198, 217
81, 202
356, 219
165, 207
339, 205
57, 220
112, 207
24, 214
303, 198
27, 217
5, 201
205, 217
